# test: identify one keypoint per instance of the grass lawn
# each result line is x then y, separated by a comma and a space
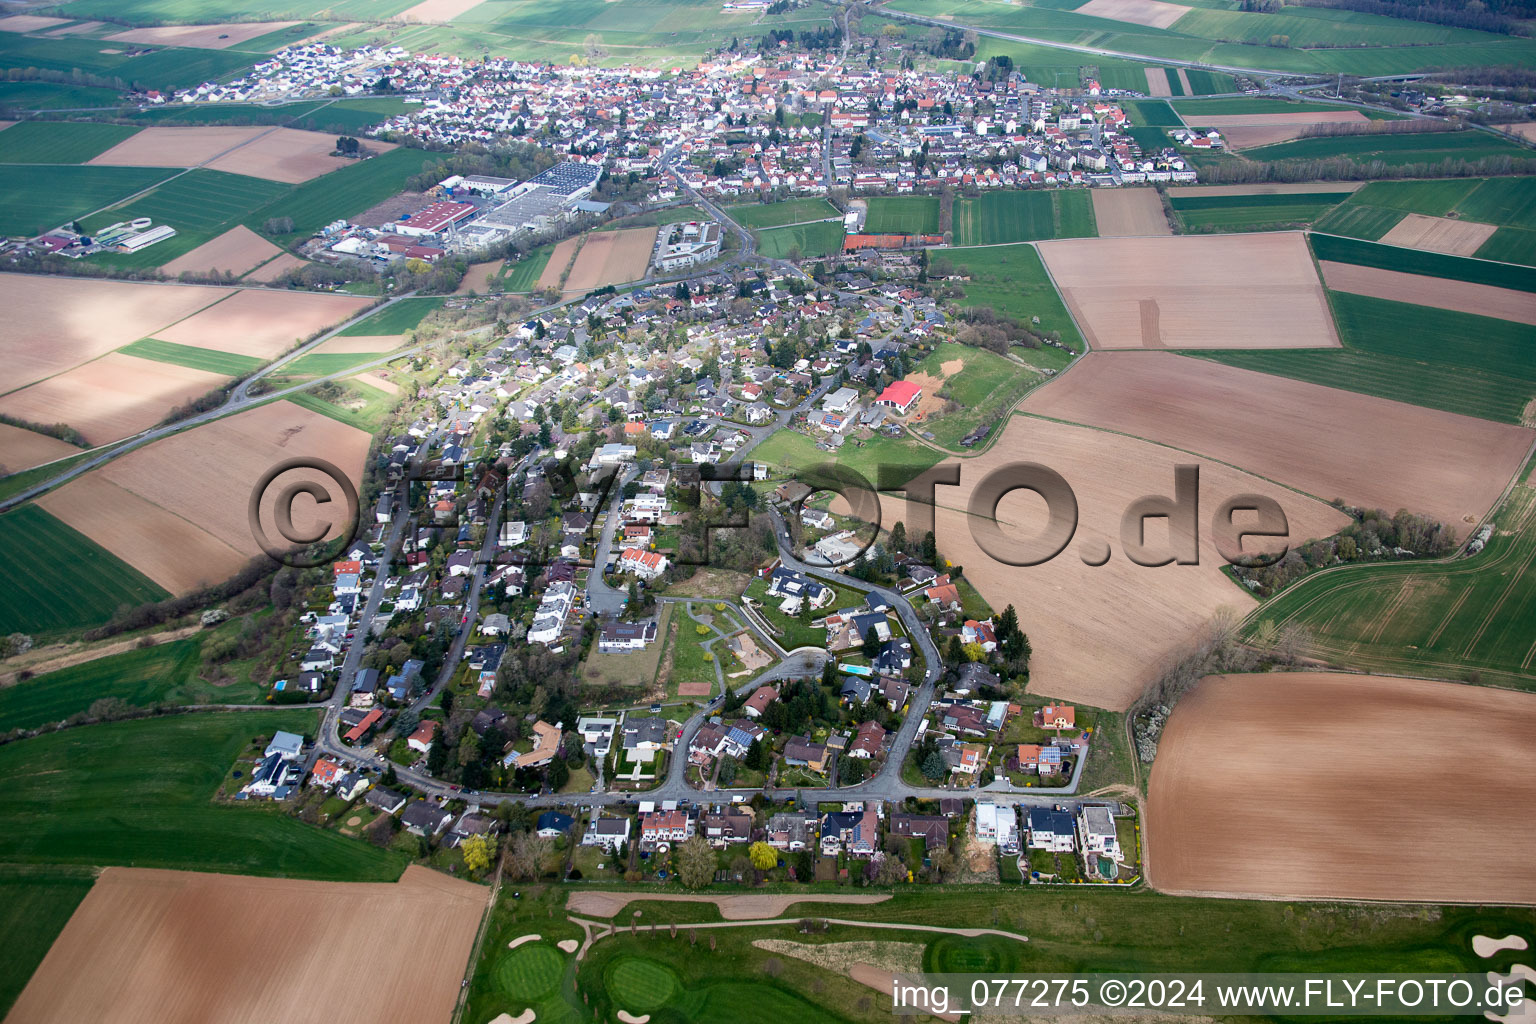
361, 405
35, 198
342, 193
788, 451
1468, 616
1457, 362
635, 669
57, 578
1024, 216
35, 904
59, 142
793, 632
903, 215
228, 363
200, 205
1253, 213
986, 389
524, 274
1011, 279
815, 239
397, 317
773, 215
690, 662
138, 794
164, 673
535, 973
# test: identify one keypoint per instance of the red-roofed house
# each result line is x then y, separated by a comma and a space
866, 743
1057, 716
327, 772
422, 738
360, 730
758, 703
900, 395
645, 564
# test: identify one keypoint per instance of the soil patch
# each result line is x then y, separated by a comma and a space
208, 37
237, 250
695, 689
1245, 759
475, 278
559, 260
275, 268
290, 155
1152, 13
177, 147
30, 23
611, 257
1157, 82
22, 449
1124, 212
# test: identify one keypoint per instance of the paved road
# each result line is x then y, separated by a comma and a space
603, 600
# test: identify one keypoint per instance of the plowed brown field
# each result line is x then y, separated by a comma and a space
176, 147
236, 250
1395, 456
1314, 786
262, 323
1439, 292
208, 37
22, 449
1439, 234
111, 397
1153, 13
289, 155
611, 257
1124, 212
151, 947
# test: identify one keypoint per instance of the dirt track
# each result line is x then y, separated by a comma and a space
1312, 785
1439, 234
152, 947
1211, 291
1123, 212
732, 908
1441, 293
1291, 431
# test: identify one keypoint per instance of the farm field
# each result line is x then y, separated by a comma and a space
1441, 619
1122, 212
1512, 245
1013, 280
1439, 293
1023, 216
1439, 234
773, 215
210, 37
188, 146
58, 142
903, 215
1288, 431
1253, 213
225, 363
56, 323
1262, 736
395, 318
1108, 625
1266, 188
236, 251
359, 405
1156, 113
202, 205
1455, 362
188, 492
24, 449
611, 257
35, 198
1490, 216
263, 323
166, 672
44, 594
983, 384
523, 275
112, 397
354, 188
140, 792
140, 935
34, 907
1417, 261
164, 69
1193, 292
1406, 148
349, 115
289, 155
815, 239
54, 95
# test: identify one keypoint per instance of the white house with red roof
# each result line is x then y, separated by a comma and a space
645, 564
900, 395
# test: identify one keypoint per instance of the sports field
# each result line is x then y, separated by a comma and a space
58, 142
36, 198
199, 204
1452, 361
1023, 216
819, 238
57, 578
1444, 619
396, 318
773, 215
1011, 279
1253, 213
903, 215
141, 793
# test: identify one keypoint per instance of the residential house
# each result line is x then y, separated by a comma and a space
758, 702
868, 740
645, 564
620, 637
553, 824
1056, 716
799, 751
1096, 831
287, 745
1050, 829
386, 800
792, 830
422, 738
933, 829
608, 833
546, 744
855, 831
470, 823
722, 828
998, 825
665, 826
644, 737
598, 733
424, 818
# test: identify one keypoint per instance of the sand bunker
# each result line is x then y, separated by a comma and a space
177, 946
732, 908
1484, 946
236, 251
630, 1018
568, 945
1126, 212
1245, 759
1195, 291
522, 939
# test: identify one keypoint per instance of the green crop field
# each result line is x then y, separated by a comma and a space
158, 12
773, 215
54, 96
324, 364
343, 193
57, 578
1466, 615
35, 905
1024, 216
1012, 280
352, 115
228, 363
1512, 245
903, 215
1357, 221
199, 204
35, 199
58, 142
360, 405
1417, 261
1409, 148
225, 113
398, 317
165, 673
986, 388
1433, 198
1510, 201
1473, 365
1191, 109
1253, 213
524, 274
1151, 112
819, 238
139, 793
790, 451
